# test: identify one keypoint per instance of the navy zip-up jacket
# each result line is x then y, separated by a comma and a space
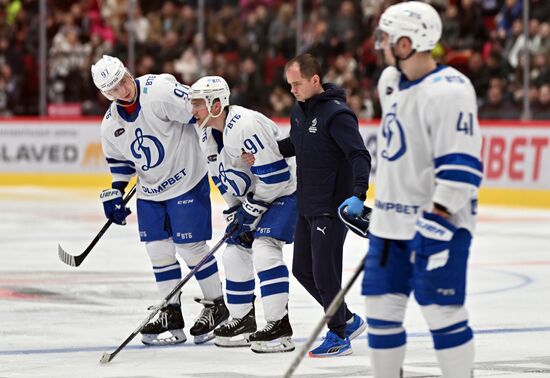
332, 160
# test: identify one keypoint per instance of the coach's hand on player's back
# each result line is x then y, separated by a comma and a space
113, 205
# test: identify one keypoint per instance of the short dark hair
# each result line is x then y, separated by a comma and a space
308, 64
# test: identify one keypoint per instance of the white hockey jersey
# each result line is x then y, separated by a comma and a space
156, 142
428, 150
246, 130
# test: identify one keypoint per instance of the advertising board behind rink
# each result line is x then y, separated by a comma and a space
516, 155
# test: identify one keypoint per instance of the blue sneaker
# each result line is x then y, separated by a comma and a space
356, 327
332, 346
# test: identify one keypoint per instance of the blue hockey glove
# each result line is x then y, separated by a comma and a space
354, 205
244, 240
113, 205
433, 239
248, 215
360, 224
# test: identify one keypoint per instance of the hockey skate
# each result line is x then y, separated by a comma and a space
274, 338
169, 321
235, 332
213, 314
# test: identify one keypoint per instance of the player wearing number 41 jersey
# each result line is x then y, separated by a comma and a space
262, 208
147, 133
427, 178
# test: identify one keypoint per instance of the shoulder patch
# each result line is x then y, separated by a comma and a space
119, 132
212, 158
389, 91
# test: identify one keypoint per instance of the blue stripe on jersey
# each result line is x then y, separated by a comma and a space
221, 187
276, 179
123, 170
116, 161
239, 286
459, 159
273, 273
269, 168
459, 176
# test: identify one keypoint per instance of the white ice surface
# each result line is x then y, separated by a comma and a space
56, 320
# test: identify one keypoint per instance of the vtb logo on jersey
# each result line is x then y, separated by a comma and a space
149, 148
394, 136
237, 182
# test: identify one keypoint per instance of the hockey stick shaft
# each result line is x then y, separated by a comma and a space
107, 357
334, 305
77, 260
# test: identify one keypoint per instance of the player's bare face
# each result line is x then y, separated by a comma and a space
125, 90
301, 87
199, 109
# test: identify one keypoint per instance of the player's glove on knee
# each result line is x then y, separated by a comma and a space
114, 207
248, 215
244, 240
433, 238
354, 206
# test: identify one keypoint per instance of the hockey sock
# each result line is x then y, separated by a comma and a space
387, 344
274, 290
455, 350
240, 283
165, 266
207, 276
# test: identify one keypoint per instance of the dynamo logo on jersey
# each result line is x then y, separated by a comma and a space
148, 147
394, 137
237, 182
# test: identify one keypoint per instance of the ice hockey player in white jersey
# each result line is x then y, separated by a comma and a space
427, 178
262, 206
147, 132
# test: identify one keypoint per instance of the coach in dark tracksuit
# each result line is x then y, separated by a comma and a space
333, 169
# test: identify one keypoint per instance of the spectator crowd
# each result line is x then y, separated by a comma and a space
248, 42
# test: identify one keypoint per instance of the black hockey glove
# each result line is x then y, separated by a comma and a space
359, 224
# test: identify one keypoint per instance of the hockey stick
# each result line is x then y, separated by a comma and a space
335, 304
77, 260
107, 357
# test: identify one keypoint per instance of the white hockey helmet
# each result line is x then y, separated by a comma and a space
107, 73
211, 88
415, 20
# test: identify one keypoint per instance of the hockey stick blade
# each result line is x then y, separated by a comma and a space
108, 357
77, 260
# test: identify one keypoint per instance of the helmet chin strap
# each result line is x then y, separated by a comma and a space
397, 59
210, 115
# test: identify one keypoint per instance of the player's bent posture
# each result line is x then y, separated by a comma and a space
427, 177
261, 201
146, 132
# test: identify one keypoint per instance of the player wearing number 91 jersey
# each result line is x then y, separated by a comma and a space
261, 213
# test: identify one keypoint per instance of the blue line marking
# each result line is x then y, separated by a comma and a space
524, 279
297, 340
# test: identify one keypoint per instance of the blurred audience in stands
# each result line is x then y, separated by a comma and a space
249, 41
